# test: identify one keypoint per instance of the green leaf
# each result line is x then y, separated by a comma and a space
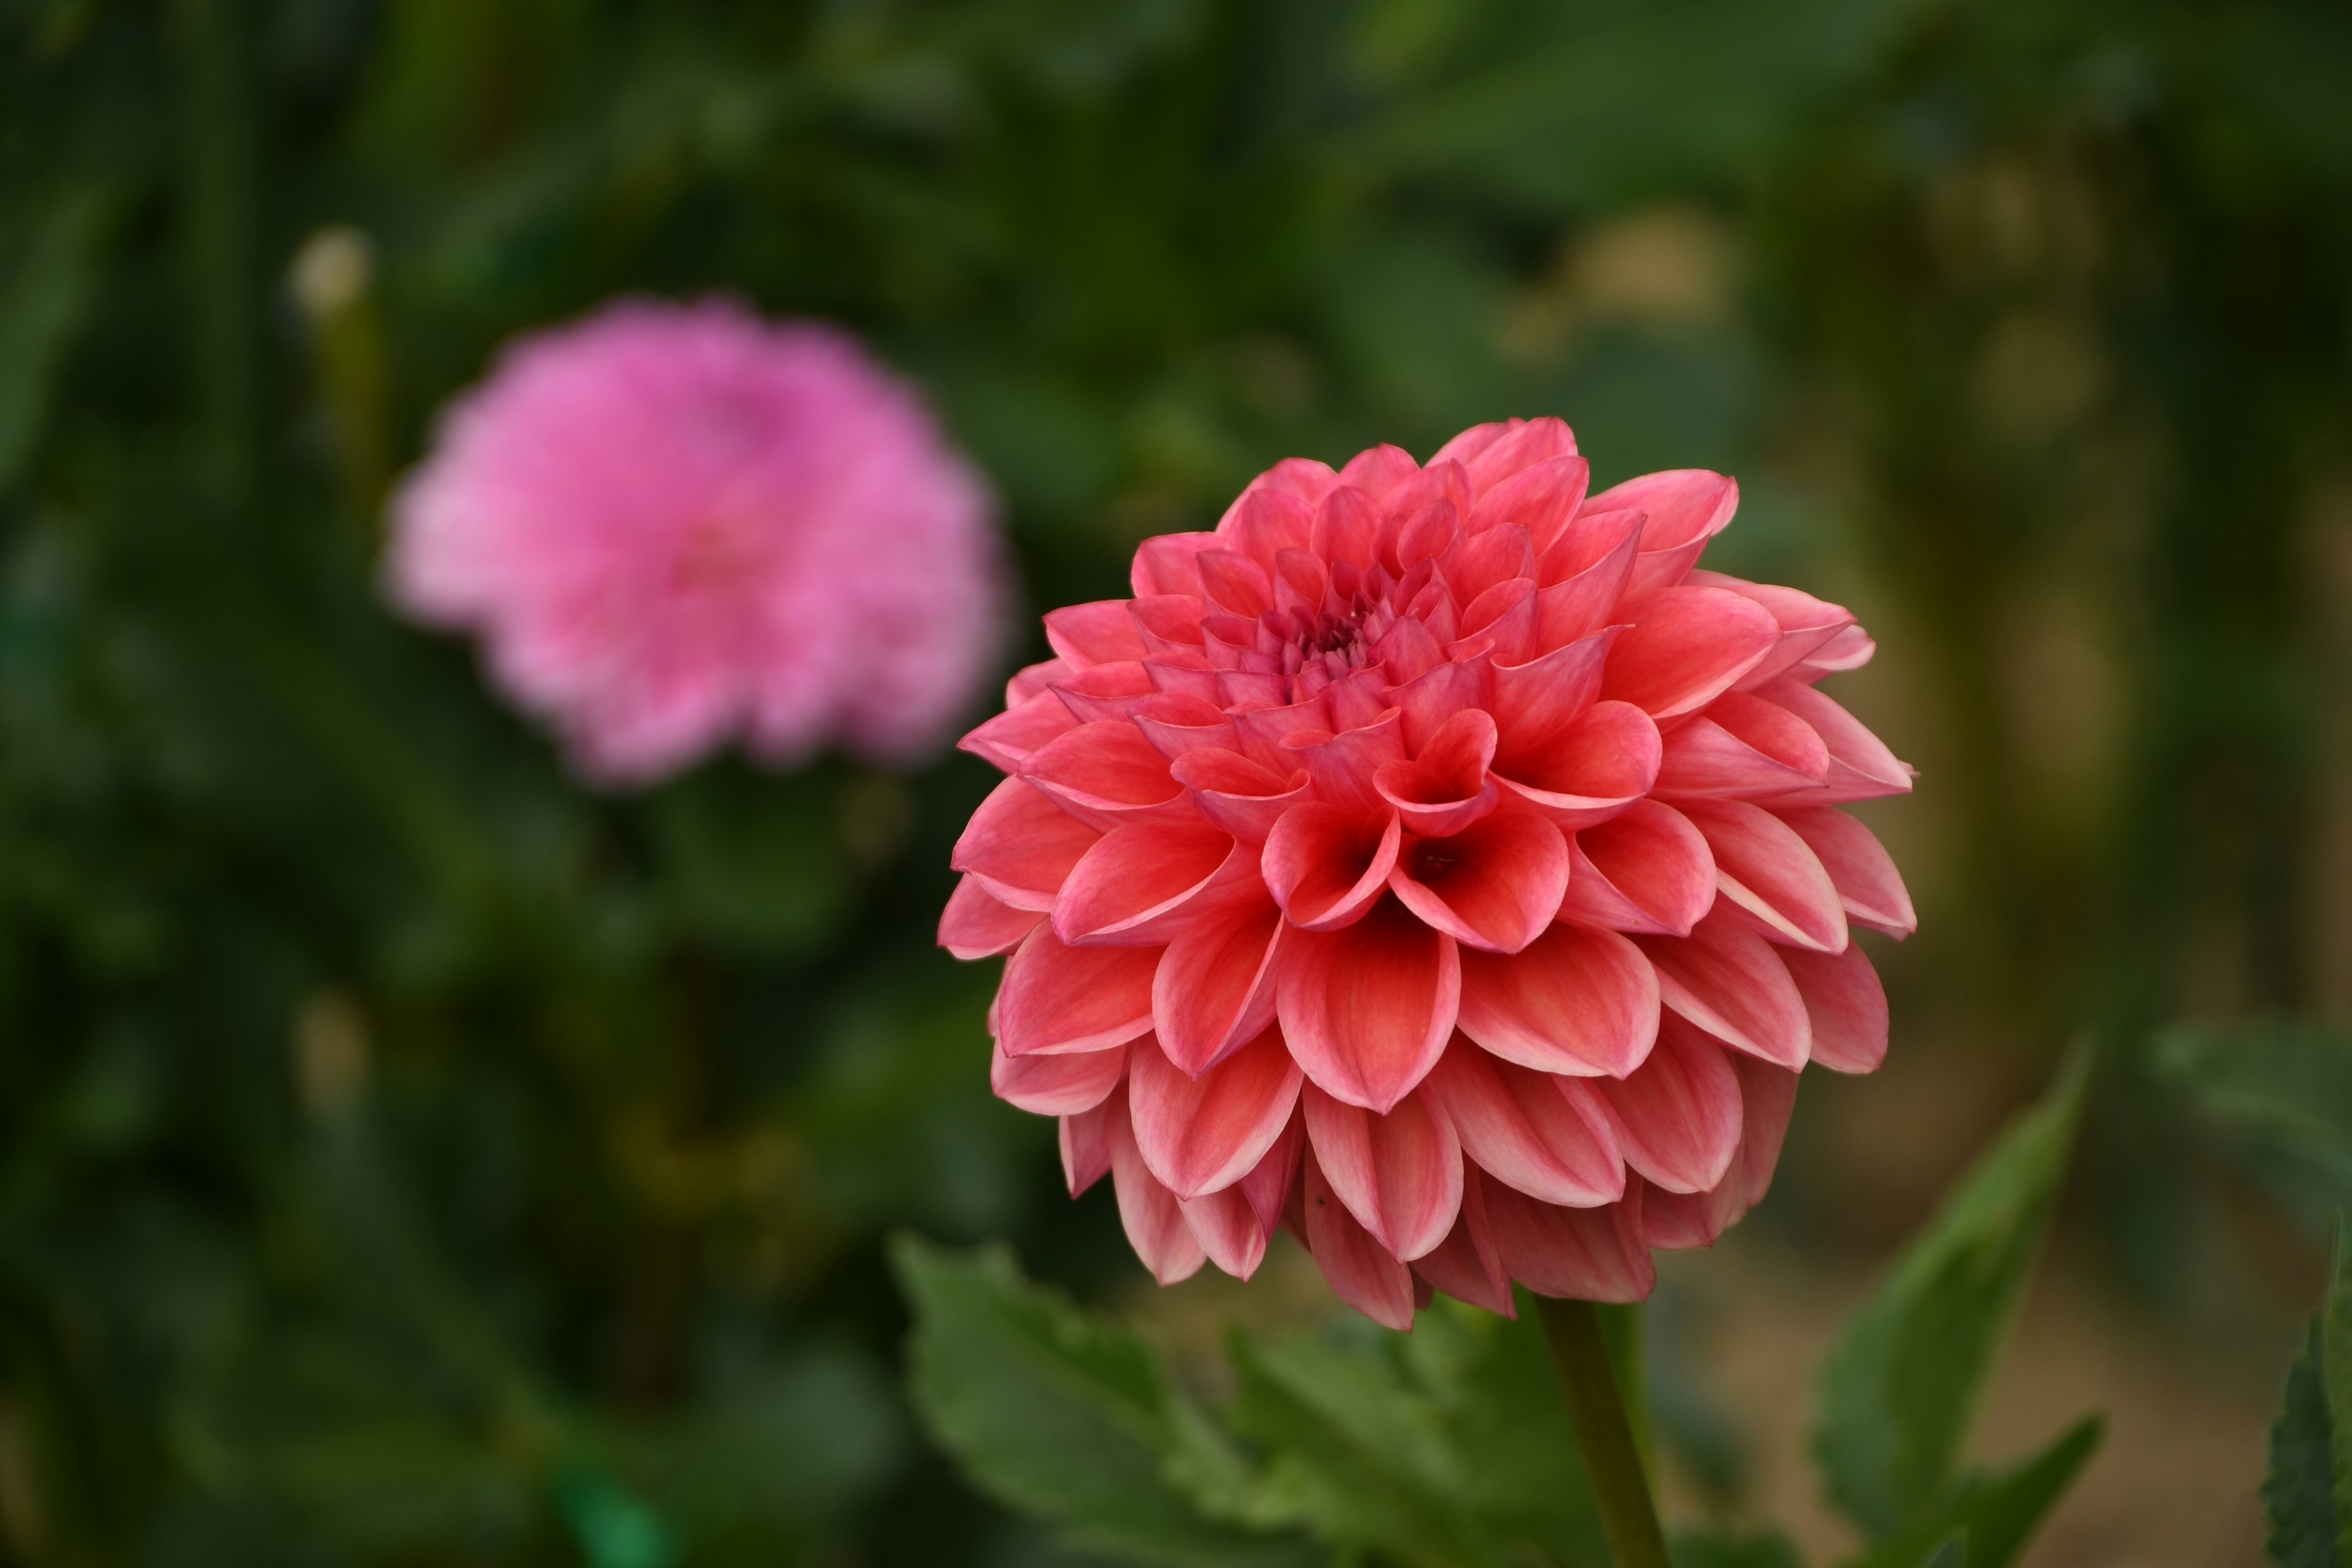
1996, 1513
2298, 1491
2282, 1088
1073, 1419
1901, 1390
1366, 1452
2336, 1368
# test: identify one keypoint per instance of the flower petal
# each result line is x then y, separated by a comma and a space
1228, 1230
1444, 789
1685, 647
1368, 1009
1007, 739
1061, 1085
1686, 508
1605, 759
1677, 1118
976, 925
1466, 1265
1149, 1211
1245, 799
1589, 1255
1086, 1144
1763, 868
1214, 991
1105, 773
1198, 1135
1494, 885
1164, 563
1867, 882
1326, 864
1019, 845
1056, 999
1847, 1005
1143, 882
1540, 497
1360, 1272
1546, 1136
1861, 767
1576, 1001
1742, 748
1732, 983
1400, 1174
1099, 633
1646, 870
1273, 1182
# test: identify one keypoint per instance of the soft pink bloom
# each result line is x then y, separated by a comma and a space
1433, 860
674, 525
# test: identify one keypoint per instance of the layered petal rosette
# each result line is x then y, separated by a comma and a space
676, 526
1434, 860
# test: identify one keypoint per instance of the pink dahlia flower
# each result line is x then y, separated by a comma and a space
673, 525
1432, 859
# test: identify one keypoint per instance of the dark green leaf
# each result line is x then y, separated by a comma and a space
43, 293
1073, 1419
2298, 1491
2282, 1088
1996, 1513
1901, 1389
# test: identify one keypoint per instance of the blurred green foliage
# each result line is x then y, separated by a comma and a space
408, 1157
1452, 1448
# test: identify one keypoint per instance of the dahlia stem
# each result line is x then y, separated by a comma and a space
1580, 1354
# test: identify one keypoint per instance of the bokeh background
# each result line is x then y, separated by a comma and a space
408, 1157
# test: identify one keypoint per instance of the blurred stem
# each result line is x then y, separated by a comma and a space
1580, 1354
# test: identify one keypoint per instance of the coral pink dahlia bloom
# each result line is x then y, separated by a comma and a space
1432, 859
677, 524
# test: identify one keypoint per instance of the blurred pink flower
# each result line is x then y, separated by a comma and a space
1433, 860
675, 525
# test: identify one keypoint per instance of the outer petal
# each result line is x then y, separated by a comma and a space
1466, 1265
1009, 738
1576, 1001
1274, 1180
1743, 748
1676, 1220
1847, 1005
1148, 1211
1764, 868
1326, 864
1360, 1270
1144, 881
1057, 999
1056, 1085
977, 925
1368, 1009
1731, 983
1214, 991
1546, 1136
1105, 773
1086, 1144
1648, 869
1861, 767
1199, 1135
1686, 648
1400, 1174
1228, 1230
1021, 845
1088, 635
1591, 1254
1686, 508
1494, 885
1867, 882
1678, 1119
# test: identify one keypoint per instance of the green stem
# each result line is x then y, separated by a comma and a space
1580, 1354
